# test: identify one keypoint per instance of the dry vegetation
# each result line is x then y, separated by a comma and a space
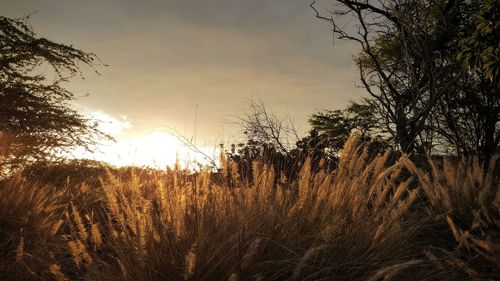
378, 217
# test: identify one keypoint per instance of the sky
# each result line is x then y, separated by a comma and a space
169, 61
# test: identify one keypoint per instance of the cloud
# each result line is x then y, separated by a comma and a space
167, 56
111, 125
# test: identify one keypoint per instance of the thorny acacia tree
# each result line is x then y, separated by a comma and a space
36, 120
401, 64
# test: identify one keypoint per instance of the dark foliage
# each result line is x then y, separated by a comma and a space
36, 120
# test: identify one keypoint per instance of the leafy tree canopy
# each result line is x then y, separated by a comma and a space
481, 49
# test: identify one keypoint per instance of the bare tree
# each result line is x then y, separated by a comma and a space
263, 127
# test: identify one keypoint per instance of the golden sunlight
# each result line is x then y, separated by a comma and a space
157, 149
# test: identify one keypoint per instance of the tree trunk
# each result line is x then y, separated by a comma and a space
403, 136
488, 147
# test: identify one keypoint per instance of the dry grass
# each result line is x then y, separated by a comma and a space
378, 217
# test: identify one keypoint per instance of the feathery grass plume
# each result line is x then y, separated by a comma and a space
162, 196
123, 270
95, 235
224, 165
112, 203
402, 189
251, 253
489, 195
304, 183
306, 259
438, 263
235, 175
256, 169
79, 252
473, 274
257, 277
283, 180
391, 272
233, 277
141, 240
56, 272
404, 205
56, 226
20, 248
454, 229
190, 262
270, 176
82, 230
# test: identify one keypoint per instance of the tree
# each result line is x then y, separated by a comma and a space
262, 127
437, 91
480, 49
467, 119
331, 128
479, 54
36, 120
402, 63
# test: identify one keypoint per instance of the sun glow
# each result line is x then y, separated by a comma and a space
158, 149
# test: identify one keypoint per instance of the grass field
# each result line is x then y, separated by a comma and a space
376, 217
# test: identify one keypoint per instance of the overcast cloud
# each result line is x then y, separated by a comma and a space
167, 56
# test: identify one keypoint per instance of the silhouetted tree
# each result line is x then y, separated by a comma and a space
432, 69
268, 138
262, 127
467, 119
479, 54
36, 120
401, 63
331, 129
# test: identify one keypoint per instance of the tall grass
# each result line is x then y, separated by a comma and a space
377, 217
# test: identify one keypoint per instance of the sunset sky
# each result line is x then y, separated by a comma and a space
166, 56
